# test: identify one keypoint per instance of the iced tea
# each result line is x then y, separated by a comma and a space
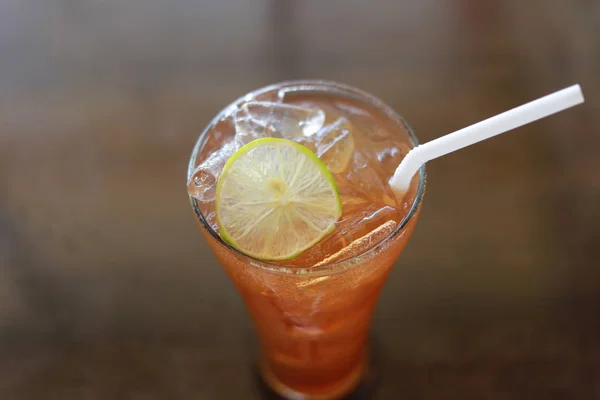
312, 313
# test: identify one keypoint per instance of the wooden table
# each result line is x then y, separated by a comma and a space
108, 291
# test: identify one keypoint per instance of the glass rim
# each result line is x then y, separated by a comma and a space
300, 85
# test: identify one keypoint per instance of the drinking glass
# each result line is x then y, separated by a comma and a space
312, 321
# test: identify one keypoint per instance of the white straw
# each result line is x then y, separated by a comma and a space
485, 129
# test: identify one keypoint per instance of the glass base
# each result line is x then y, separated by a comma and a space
365, 390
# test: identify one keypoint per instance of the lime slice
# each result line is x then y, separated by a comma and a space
275, 199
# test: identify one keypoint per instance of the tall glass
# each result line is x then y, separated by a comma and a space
313, 322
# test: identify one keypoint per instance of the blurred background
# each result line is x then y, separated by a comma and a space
108, 290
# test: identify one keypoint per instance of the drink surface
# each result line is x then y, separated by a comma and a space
358, 144
314, 327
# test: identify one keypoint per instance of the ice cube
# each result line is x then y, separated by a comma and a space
362, 244
271, 95
351, 109
389, 154
335, 145
283, 92
349, 228
211, 219
353, 199
364, 176
266, 119
202, 184
366, 220
369, 123
248, 129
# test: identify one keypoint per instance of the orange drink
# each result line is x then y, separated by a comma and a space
313, 312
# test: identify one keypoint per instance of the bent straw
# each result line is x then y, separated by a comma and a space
519, 116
